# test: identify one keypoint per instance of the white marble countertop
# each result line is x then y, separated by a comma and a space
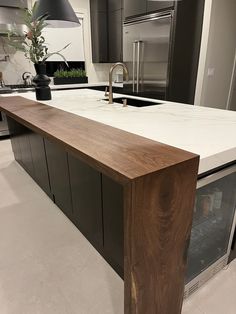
83, 85
211, 133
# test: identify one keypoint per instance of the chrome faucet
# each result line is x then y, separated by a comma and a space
125, 69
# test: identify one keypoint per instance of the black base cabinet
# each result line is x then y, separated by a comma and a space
15, 130
113, 220
57, 160
39, 162
91, 200
29, 152
232, 255
87, 200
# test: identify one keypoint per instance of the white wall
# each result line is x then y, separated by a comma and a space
96, 72
18, 64
217, 54
232, 100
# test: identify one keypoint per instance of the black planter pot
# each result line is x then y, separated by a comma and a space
70, 80
41, 80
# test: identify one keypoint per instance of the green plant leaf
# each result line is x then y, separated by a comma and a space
70, 73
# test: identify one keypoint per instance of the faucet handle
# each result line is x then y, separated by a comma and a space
124, 102
106, 92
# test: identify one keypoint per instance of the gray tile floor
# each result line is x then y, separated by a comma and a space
47, 266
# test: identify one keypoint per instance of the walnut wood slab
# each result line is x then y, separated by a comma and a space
159, 183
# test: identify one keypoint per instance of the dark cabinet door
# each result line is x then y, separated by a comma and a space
14, 129
115, 36
99, 34
26, 155
86, 198
59, 176
39, 162
114, 5
232, 255
98, 5
106, 30
134, 7
112, 195
99, 31
158, 5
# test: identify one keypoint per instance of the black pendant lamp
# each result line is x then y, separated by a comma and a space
60, 13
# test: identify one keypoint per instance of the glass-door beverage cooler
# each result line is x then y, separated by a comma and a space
213, 227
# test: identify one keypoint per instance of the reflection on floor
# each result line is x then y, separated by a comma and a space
48, 267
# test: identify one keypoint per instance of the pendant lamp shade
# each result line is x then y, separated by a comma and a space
60, 13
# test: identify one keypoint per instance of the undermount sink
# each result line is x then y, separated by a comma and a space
134, 102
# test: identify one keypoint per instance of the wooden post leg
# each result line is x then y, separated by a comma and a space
158, 220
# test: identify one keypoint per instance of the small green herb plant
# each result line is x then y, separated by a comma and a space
70, 73
33, 43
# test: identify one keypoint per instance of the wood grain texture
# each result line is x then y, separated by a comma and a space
157, 223
159, 183
117, 153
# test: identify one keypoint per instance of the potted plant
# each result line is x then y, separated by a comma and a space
35, 49
73, 76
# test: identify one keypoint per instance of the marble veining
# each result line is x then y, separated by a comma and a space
209, 132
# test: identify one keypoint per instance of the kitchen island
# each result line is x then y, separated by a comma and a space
132, 183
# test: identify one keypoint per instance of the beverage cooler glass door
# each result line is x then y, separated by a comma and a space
213, 225
146, 53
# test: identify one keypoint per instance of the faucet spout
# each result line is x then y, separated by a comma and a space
125, 71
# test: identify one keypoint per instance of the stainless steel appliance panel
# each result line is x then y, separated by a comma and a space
3, 125
146, 52
213, 227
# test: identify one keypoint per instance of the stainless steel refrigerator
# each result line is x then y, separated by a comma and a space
146, 52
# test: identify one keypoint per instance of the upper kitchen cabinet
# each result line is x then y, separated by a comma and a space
142, 7
115, 33
134, 7
158, 5
98, 5
115, 5
106, 30
99, 37
185, 50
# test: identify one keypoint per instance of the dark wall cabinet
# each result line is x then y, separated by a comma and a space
99, 35
134, 7
141, 7
158, 5
106, 30
92, 201
186, 42
115, 5
115, 36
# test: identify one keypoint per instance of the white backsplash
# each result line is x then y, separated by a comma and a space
16, 66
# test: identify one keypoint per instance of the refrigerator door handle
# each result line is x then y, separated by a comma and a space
138, 65
134, 63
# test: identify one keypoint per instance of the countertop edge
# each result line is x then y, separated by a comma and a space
123, 155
